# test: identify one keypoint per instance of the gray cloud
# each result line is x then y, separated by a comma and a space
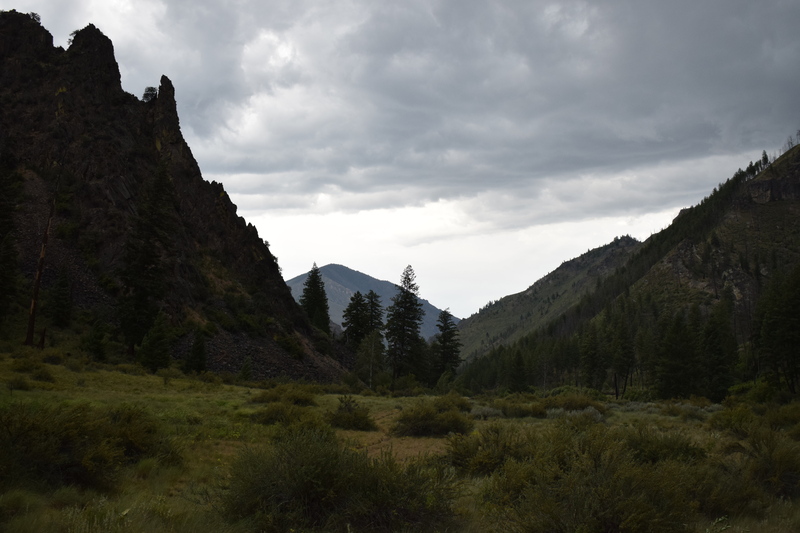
501, 104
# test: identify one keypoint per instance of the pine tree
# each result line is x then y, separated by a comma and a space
592, 369
374, 311
676, 369
718, 354
403, 322
356, 320
517, 380
315, 302
777, 329
449, 344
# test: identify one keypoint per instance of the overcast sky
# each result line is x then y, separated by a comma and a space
481, 142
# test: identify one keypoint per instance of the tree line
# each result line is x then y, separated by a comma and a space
390, 351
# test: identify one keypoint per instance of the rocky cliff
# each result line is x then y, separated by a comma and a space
84, 145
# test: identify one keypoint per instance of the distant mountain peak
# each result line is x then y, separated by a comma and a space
342, 282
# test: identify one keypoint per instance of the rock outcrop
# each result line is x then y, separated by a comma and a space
81, 141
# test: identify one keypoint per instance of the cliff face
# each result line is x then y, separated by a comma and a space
82, 142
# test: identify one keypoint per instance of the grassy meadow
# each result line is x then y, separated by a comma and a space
89, 447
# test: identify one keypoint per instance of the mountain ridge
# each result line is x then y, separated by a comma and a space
516, 315
695, 309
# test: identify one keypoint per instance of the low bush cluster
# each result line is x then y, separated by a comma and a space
306, 480
484, 452
351, 415
565, 477
430, 418
293, 393
285, 413
519, 406
572, 401
77, 444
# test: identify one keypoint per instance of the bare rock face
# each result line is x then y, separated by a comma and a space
81, 141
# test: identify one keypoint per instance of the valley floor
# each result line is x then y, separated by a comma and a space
569, 462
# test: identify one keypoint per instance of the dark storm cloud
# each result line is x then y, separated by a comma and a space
585, 106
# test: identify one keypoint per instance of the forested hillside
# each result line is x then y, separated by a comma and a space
512, 317
708, 303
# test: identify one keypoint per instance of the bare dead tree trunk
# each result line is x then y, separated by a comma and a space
38, 280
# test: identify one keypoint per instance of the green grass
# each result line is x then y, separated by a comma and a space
694, 466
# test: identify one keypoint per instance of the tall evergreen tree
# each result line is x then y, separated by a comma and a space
718, 354
623, 357
777, 329
517, 379
591, 359
356, 320
374, 311
449, 344
403, 322
314, 300
676, 368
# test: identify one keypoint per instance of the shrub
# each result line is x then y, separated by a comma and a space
17, 502
350, 415
285, 413
520, 409
293, 393
650, 445
588, 481
572, 401
209, 377
53, 358
18, 383
168, 374
585, 417
452, 400
686, 412
774, 461
760, 392
77, 444
487, 450
738, 420
132, 370
26, 365
307, 480
784, 416
424, 419
483, 412
42, 373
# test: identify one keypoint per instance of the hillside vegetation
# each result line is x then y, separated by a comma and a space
701, 306
512, 317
